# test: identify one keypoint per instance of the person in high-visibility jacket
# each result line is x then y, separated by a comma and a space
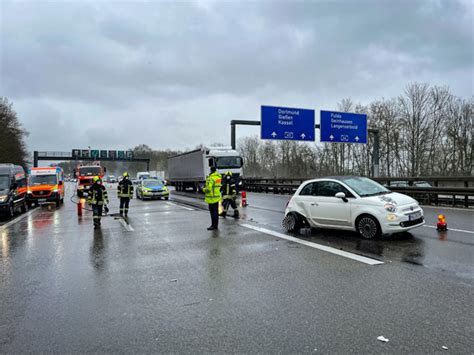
125, 194
97, 198
229, 193
212, 191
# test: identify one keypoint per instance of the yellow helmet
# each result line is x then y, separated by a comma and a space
95, 179
125, 174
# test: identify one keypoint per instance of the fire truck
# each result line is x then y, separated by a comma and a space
85, 174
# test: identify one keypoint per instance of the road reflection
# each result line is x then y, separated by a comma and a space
402, 247
98, 251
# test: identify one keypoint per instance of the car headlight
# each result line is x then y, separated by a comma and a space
55, 190
3, 198
390, 207
391, 217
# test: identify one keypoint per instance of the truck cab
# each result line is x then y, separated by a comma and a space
225, 159
12, 189
45, 185
85, 174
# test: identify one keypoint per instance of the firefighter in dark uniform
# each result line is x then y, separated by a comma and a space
229, 194
97, 198
125, 194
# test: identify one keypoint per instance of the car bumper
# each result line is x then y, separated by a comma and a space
402, 224
156, 194
49, 198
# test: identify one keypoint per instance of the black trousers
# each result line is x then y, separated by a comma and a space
124, 202
96, 213
214, 210
229, 202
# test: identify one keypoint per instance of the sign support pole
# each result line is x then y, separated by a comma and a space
373, 131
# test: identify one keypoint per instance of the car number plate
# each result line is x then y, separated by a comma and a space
42, 200
414, 216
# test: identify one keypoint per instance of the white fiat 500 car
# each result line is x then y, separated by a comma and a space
351, 203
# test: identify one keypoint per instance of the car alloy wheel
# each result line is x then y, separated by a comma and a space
290, 222
368, 227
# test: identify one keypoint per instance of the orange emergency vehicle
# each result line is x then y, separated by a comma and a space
46, 185
85, 174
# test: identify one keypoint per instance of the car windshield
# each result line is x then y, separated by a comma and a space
4, 182
364, 186
228, 162
148, 183
43, 180
89, 171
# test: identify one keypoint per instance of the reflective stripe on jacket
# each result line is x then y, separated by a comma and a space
125, 188
97, 195
212, 189
228, 189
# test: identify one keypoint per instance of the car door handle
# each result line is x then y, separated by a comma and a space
314, 204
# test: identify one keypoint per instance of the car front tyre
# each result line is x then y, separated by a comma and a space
368, 227
291, 222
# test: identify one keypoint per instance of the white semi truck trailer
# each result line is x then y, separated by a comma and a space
189, 170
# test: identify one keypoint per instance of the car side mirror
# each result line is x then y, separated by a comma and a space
342, 196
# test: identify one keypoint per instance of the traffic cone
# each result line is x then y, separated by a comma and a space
243, 202
442, 225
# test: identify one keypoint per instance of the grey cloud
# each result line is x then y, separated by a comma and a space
157, 61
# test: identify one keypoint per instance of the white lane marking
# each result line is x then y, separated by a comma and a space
176, 204
29, 213
125, 225
345, 254
452, 229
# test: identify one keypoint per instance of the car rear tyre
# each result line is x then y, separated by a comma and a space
24, 207
368, 227
291, 222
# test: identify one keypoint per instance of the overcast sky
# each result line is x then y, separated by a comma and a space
111, 74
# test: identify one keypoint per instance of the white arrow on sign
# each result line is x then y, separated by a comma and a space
357, 138
303, 135
331, 137
274, 134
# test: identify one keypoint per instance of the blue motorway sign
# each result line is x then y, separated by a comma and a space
283, 123
343, 127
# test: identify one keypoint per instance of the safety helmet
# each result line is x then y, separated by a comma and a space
95, 179
125, 174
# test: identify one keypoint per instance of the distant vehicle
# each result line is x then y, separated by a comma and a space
152, 189
422, 184
85, 174
13, 189
45, 185
190, 169
135, 181
111, 179
143, 175
352, 203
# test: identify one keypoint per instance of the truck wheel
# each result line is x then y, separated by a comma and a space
166, 198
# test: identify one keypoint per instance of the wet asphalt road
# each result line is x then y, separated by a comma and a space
162, 283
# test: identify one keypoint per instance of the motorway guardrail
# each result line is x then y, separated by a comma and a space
453, 196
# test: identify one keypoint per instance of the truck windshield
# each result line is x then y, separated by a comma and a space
43, 180
4, 182
228, 162
90, 171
